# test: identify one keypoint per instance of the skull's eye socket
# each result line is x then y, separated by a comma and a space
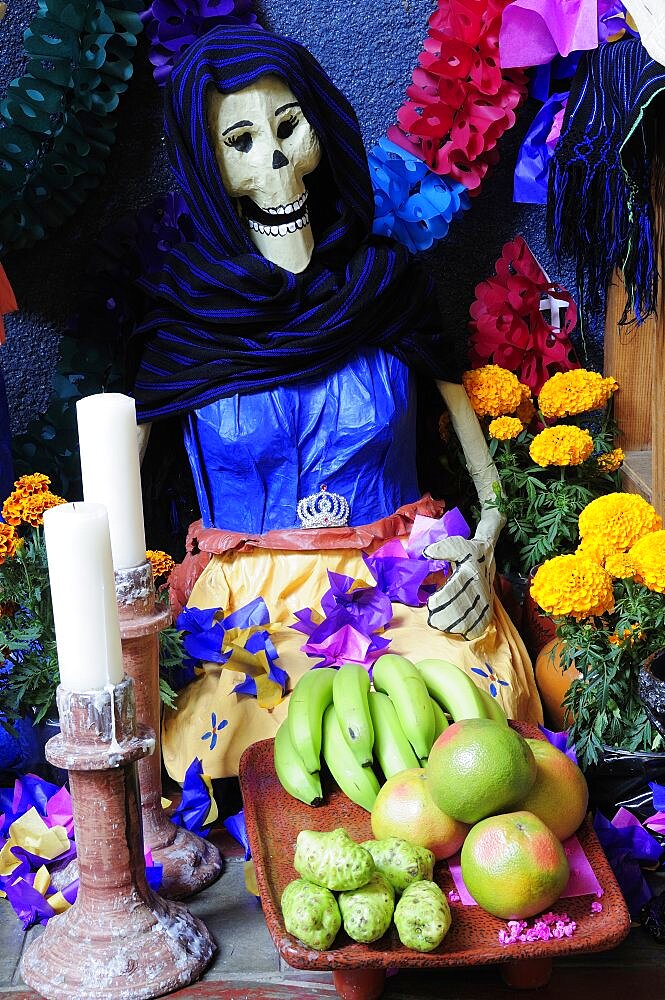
242, 142
287, 126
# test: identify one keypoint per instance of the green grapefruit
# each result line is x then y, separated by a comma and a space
404, 808
513, 865
559, 795
478, 767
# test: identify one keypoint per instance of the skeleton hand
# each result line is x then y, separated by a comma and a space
463, 606
649, 16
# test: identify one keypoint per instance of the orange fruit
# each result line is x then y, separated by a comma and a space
404, 808
478, 767
559, 795
513, 865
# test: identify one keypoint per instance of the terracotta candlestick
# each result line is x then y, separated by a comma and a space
189, 862
119, 941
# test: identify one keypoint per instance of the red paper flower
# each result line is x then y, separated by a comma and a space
508, 327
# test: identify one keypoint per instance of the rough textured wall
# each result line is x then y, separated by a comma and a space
369, 48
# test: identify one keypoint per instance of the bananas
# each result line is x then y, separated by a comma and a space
393, 751
398, 678
292, 773
309, 700
333, 715
453, 689
359, 783
349, 694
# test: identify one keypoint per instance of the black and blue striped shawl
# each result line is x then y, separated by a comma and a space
600, 208
225, 319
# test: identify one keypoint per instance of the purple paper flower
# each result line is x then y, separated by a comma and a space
258, 643
237, 828
560, 741
398, 574
172, 25
627, 845
196, 800
366, 607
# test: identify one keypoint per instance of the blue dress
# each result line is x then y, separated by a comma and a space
254, 456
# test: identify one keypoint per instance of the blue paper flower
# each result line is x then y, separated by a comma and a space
214, 730
413, 205
492, 678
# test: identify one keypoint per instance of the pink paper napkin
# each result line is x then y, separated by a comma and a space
582, 881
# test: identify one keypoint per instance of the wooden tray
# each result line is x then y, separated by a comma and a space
274, 820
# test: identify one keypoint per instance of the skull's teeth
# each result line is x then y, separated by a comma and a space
282, 230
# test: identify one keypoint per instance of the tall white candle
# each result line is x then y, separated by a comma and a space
85, 611
111, 470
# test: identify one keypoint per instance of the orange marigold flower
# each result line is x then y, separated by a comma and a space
505, 428
561, 446
578, 391
162, 563
526, 411
36, 482
8, 542
611, 460
573, 585
629, 636
493, 391
620, 566
648, 555
614, 522
12, 508
35, 505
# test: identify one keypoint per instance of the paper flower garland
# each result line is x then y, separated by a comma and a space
58, 125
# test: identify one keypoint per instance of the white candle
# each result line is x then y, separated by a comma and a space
85, 611
111, 470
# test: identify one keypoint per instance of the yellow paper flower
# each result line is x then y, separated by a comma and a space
562, 445
162, 563
8, 542
611, 460
493, 391
35, 504
648, 555
620, 566
576, 391
36, 482
573, 585
614, 522
505, 428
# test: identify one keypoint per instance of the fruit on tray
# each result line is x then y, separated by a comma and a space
513, 865
422, 916
401, 863
291, 770
368, 912
350, 691
559, 795
383, 731
311, 914
309, 700
404, 808
479, 767
332, 859
359, 783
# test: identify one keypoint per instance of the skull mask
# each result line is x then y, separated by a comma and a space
264, 147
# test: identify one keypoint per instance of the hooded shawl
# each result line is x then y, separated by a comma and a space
225, 320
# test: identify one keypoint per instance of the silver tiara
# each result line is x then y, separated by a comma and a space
323, 510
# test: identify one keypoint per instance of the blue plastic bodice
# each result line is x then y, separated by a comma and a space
255, 455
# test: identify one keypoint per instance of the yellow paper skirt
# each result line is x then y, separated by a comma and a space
289, 581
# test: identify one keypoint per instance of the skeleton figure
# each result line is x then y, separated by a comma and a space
265, 149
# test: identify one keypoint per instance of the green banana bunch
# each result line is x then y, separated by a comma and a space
440, 721
398, 678
291, 771
359, 783
350, 691
453, 689
309, 700
391, 747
